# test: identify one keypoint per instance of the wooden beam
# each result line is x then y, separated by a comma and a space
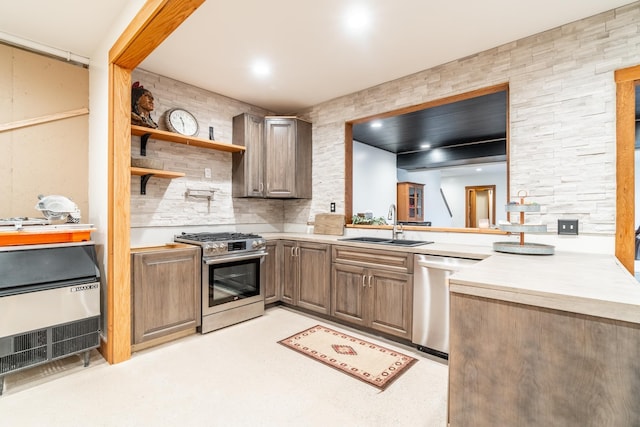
625, 166
119, 275
155, 21
152, 25
627, 74
348, 173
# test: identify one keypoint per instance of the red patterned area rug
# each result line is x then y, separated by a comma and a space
371, 363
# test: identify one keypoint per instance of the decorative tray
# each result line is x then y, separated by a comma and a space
521, 247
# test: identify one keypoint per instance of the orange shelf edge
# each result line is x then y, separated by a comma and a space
36, 238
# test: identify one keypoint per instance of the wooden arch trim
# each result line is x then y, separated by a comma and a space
153, 23
626, 80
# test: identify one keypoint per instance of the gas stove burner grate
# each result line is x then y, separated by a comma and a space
217, 237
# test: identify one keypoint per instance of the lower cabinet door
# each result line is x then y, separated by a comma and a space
391, 302
314, 290
271, 266
166, 292
289, 272
347, 299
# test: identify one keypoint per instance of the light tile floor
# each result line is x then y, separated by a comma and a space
237, 376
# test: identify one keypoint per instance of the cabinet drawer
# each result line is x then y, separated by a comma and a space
378, 258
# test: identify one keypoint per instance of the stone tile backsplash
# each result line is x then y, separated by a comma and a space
562, 129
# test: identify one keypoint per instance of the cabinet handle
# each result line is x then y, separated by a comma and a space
370, 277
261, 187
363, 281
293, 251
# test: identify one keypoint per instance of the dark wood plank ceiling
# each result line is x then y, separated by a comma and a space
464, 130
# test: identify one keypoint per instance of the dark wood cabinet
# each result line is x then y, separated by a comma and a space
410, 201
306, 275
272, 267
277, 160
287, 157
165, 294
348, 293
549, 367
373, 289
248, 166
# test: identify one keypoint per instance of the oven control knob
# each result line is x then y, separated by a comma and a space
222, 248
258, 244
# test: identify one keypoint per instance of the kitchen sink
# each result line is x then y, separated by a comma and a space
366, 239
407, 242
383, 241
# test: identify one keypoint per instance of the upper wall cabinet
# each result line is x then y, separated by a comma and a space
248, 167
277, 160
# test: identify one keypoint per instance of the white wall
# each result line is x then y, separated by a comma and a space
99, 122
98, 139
374, 186
453, 189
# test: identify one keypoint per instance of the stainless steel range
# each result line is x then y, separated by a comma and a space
232, 277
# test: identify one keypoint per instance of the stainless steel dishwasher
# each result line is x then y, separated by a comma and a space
431, 301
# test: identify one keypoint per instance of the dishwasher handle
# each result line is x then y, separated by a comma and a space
443, 265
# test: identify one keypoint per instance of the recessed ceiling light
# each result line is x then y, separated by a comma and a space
376, 124
478, 169
261, 68
357, 19
425, 146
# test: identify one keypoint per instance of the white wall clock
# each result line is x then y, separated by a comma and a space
181, 121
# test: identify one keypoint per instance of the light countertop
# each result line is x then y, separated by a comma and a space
442, 249
591, 284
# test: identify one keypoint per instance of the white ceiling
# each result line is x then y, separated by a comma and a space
313, 58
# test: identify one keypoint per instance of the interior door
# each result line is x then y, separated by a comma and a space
480, 206
470, 220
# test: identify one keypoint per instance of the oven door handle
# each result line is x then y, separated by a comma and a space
223, 260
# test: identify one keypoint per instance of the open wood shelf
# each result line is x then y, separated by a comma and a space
146, 133
145, 174
156, 172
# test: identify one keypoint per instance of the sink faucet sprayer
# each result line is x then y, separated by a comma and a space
397, 229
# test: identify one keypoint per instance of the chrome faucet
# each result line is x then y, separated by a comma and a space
397, 229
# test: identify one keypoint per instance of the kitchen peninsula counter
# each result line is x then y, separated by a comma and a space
544, 340
591, 284
585, 283
441, 249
